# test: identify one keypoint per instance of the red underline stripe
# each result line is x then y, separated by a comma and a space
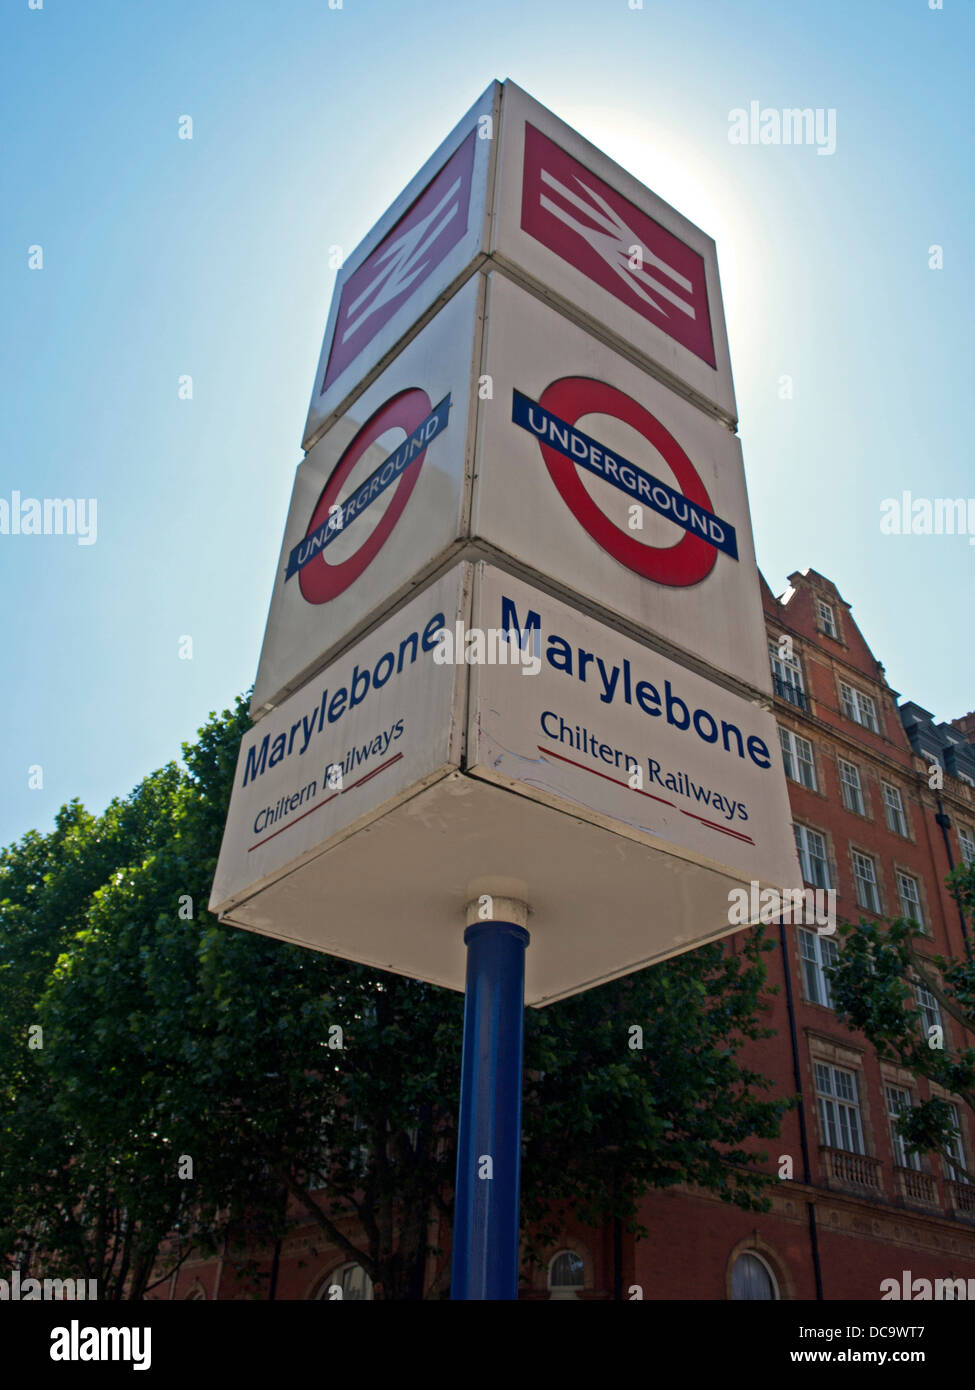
736, 834
361, 781
596, 773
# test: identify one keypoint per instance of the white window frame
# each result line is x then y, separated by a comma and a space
571, 1289
859, 707
906, 901
793, 747
851, 787
754, 1255
898, 1099
817, 954
808, 856
348, 1276
869, 880
928, 1007
838, 1103
359, 1154
966, 844
827, 619
894, 809
788, 670
956, 1147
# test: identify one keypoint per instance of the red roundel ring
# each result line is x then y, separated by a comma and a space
680, 565
321, 581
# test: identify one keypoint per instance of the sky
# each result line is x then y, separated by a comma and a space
208, 257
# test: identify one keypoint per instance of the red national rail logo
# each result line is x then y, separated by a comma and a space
587, 223
409, 252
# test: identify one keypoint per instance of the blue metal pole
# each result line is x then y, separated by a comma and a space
485, 1248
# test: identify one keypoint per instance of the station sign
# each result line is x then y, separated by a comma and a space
609, 485
420, 252
609, 252
505, 431
514, 187
490, 739
601, 725
371, 729
379, 501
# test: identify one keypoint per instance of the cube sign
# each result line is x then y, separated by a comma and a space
515, 187
490, 739
505, 431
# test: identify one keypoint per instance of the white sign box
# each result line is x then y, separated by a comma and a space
373, 727
540, 806
432, 237
601, 725
394, 470
609, 252
515, 184
599, 478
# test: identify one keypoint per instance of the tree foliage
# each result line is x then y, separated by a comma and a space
873, 988
199, 1084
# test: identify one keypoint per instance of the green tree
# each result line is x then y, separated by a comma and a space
194, 1075
874, 989
58, 1198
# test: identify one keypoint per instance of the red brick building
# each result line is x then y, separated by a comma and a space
883, 805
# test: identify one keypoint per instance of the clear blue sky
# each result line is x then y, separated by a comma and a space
209, 257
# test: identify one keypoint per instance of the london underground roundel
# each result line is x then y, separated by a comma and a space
565, 450
321, 580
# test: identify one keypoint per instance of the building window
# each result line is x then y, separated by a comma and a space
827, 619
352, 1280
797, 756
818, 954
359, 1154
928, 1008
566, 1274
786, 676
899, 1100
318, 1178
850, 787
956, 1149
859, 707
752, 1280
894, 809
865, 882
839, 1108
910, 898
812, 856
966, 841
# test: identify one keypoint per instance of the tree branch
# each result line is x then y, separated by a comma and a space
328, 1226
918, 964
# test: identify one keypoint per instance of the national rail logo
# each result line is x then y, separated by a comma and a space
406, 256
616, 245
320, 580
565, 449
